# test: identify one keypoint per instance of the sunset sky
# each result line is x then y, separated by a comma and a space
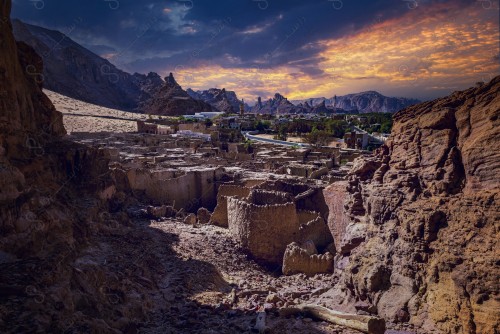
422, 48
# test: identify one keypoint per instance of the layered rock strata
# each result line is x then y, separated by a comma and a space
418, 235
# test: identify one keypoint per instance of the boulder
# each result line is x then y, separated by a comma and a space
190, 219
203, 216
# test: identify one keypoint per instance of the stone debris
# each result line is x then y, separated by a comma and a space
300, 259
203, 216
163, 211
190, 219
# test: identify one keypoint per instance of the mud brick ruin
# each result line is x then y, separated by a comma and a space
268, 199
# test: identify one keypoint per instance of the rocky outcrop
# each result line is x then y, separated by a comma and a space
171, 100
25, 109
220, 99
54, 275
72, 70
421, 238
276, 105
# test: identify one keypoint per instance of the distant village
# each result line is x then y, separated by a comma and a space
337, 130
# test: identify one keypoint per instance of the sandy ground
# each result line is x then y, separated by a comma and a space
80, 116
333, 143
290, 139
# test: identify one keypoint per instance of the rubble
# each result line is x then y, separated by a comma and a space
300, 259
203, 216
190, 219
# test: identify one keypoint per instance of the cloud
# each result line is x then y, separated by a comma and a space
301, 48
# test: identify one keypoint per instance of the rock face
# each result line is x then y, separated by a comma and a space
25, 109
421, 238
171, 100
371, 101
72, 70
52, 196
220, 99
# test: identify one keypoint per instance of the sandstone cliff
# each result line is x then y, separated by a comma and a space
364, 102
277, 105
418, 235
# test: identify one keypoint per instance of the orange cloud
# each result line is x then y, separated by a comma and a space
437, 48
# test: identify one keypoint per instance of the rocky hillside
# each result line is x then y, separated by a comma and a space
72, 70
416, 226
364, 102
59, 271
171, 100
220, 99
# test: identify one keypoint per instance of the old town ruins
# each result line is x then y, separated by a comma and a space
268, 197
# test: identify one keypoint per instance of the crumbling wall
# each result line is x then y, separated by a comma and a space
315, 230
299, 260
190, 191
264, 197
263, 230
313, 200
219, 216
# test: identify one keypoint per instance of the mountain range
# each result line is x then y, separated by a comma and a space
364, 102
74, 71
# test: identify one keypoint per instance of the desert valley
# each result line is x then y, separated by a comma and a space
129, 204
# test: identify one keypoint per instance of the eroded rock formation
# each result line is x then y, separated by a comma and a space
418, 237
171, 100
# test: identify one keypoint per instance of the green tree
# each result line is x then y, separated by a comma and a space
282, 133
208, 122
317, 138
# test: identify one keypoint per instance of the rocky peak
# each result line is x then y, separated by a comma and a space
170, 99
170, 80
279, 97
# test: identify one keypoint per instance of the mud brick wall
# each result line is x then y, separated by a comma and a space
219, 216
263, 230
